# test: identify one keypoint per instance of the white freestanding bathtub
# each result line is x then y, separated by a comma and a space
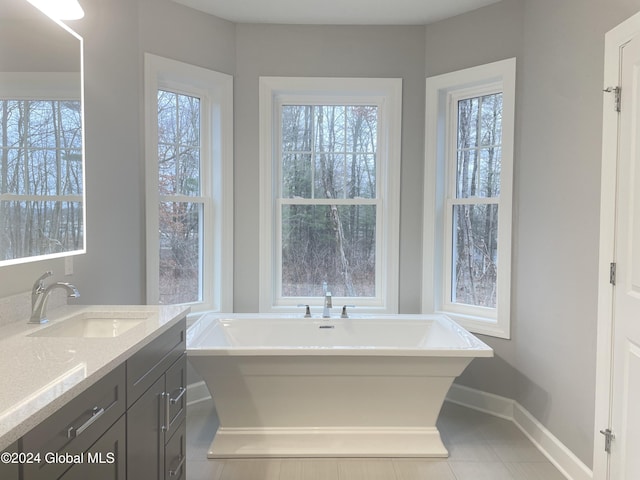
357, 387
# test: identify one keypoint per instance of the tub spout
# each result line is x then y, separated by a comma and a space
326, 311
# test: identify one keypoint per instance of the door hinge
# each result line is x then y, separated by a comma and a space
612, 273
617, 91
608, 437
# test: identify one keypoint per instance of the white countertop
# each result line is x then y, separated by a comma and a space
38, 375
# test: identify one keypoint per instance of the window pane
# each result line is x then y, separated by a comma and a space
178, 144
39, 228
475, 255
361, 176
296, 128
329, 176
467, 123
491, 124
180, 252
336, 245
296, 175
329, 151
479, 151
362, 128
329, 128
41, 147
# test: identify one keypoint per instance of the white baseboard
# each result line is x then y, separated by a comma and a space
552, 448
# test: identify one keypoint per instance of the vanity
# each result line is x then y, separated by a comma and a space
97, 392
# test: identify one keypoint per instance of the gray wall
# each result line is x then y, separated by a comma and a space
548, 365
327, 51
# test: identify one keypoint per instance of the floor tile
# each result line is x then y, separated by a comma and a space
534, 471
481, 447
251, 469
309, 469
204, 470
366, 469
422, 470
481, 471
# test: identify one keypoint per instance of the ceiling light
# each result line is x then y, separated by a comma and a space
59, 9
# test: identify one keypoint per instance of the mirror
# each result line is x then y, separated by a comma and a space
42, 199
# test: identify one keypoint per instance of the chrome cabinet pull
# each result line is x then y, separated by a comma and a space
167, 413
173, 473
74, 432
173, 401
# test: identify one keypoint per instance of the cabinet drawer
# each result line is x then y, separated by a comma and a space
76, 426
176, 454
176, 394
148, 364
105, 459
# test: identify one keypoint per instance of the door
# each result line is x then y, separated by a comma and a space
625, 405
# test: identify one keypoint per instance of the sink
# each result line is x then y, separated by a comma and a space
94, 325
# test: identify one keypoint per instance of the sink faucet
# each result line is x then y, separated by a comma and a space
326, 311
40, 296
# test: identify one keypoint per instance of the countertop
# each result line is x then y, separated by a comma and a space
40, 374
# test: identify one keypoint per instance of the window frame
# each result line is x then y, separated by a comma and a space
386, 93
442, 94
215, 91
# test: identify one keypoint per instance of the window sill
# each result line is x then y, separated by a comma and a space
480, 325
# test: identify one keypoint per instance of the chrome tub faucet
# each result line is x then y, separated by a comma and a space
326, 310
40, 296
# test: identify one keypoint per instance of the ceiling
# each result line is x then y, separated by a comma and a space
336, 12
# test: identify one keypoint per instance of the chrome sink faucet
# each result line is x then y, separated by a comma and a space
40, 296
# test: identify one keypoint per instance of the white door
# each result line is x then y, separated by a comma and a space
625, 370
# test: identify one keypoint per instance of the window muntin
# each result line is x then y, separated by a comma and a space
180, 218
41, 177
468, 187
328, 200
474, 217
189, 175
363, 167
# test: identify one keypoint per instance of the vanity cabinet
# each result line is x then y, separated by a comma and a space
75, 428
10, 471
129, 424
156, 395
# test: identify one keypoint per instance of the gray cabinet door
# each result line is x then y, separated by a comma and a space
145, 438
176, 454
105, 459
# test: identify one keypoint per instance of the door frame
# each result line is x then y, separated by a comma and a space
615, 39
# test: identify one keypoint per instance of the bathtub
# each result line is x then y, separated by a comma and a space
287, 386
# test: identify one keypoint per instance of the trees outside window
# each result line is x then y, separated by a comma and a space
189, 157
330, 188
41, 199
468, 196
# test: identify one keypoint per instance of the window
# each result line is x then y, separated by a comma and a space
41, 166
468, 195
330, 186
189, 198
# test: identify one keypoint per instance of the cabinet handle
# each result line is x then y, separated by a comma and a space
173, 473
74, 432
167, 412
173, 401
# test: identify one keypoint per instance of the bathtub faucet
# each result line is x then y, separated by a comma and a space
326, 311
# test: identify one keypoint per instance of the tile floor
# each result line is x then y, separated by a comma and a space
481, 447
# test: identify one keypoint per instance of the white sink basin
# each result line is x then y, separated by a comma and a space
94, 325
